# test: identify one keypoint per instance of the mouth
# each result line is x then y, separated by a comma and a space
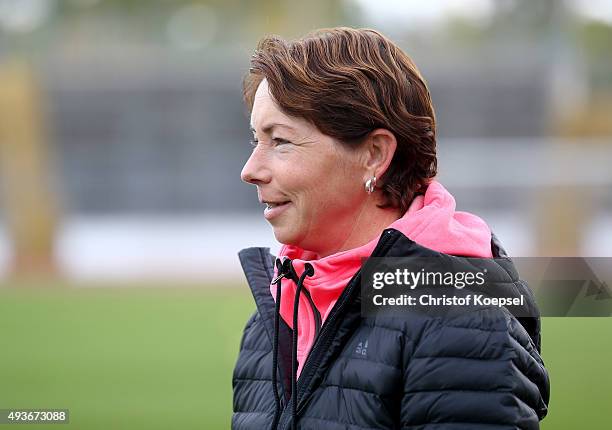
273, 209
272, 205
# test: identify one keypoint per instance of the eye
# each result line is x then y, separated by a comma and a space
280, 141
277, 141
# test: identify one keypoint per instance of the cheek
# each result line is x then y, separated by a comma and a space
346, 184
324, 185
336, 193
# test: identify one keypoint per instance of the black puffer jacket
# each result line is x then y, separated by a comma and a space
471, 370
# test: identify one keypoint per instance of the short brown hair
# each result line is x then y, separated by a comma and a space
348, 82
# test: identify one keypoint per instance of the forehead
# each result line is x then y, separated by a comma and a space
266, 113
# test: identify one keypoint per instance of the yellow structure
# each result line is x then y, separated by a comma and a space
27, 196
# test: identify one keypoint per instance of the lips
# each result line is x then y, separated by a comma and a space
271, 205
275, 208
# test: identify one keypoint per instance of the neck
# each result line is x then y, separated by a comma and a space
365, 227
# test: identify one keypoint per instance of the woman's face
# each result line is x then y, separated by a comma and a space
313, 184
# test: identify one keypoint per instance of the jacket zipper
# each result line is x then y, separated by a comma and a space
270, 274
314, 355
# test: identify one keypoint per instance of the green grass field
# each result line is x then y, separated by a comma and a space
162, 358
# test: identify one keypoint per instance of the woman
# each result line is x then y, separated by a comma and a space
344, 158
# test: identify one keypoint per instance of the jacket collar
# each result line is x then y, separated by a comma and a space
258, 266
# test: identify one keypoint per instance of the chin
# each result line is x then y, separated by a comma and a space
285, 236
282, 236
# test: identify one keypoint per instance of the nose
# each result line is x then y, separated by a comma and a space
255, 170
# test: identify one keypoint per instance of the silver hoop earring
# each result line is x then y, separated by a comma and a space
370, 184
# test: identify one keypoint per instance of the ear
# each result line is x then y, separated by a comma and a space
379, 147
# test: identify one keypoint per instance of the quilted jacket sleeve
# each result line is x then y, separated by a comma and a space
476, 370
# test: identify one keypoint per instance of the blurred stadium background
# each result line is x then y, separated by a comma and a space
122, 137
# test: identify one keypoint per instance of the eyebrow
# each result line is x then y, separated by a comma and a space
268, 128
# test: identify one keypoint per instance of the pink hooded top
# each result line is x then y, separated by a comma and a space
431, 221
